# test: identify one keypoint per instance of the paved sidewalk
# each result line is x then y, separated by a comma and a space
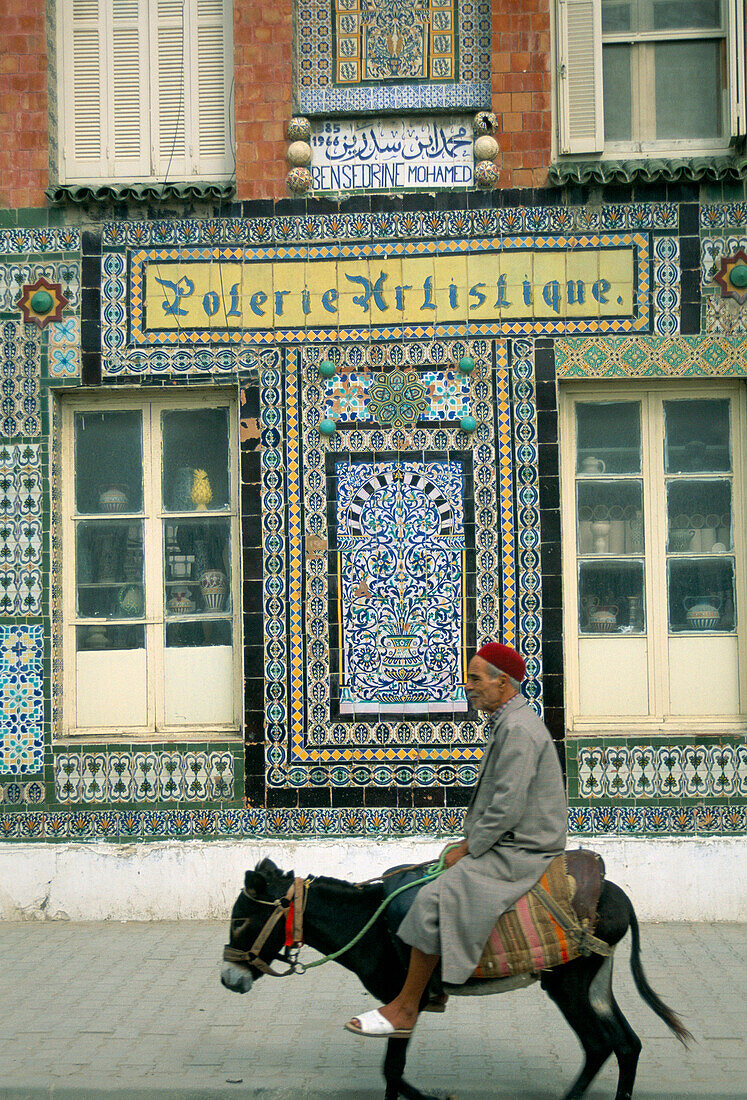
135, 1011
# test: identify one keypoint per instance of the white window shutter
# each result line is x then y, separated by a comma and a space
736, 73
212, 65
580, 92
170, 45
129, 155
81, 92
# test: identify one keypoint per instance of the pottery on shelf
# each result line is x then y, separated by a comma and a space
214, 587
702, 612
180, 602
113, 499
201, 494
130, 600
603, 619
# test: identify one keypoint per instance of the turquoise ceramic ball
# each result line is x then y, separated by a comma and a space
738, 275
327, 368
468, 424
327, 427
41, 302
466, 364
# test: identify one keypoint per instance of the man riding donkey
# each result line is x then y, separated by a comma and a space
514, 828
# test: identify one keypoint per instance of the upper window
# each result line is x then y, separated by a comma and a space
639, 77
144, 90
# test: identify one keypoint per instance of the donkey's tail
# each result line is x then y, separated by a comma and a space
652, 999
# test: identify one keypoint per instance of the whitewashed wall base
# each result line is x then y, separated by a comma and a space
667, 879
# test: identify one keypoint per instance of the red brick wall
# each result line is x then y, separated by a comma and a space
24, 153
521, 90
263, 36
263, 42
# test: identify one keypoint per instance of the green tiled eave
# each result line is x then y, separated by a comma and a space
139, 192
648, 171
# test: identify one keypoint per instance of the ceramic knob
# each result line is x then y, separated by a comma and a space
486, 174
468, 424
466, 364
486, 148
485, 122
299, 154
298, 129
327, 368
299, 180
328, 427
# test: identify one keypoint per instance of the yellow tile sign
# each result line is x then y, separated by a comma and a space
390, 290
396, 290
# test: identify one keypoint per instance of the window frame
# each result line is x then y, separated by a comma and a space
657, 635
579, 97
149, 165
153, 518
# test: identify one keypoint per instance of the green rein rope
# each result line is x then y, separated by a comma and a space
432, 873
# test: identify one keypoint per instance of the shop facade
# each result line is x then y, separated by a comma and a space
273, 469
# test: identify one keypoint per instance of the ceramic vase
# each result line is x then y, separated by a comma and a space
401, 660
214, 587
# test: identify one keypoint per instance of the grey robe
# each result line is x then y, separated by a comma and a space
515, 826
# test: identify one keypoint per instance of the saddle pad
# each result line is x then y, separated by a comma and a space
527, 937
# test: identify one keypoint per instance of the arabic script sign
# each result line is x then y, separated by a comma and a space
384, 291
382, 154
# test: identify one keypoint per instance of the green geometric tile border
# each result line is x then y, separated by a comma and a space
709, 356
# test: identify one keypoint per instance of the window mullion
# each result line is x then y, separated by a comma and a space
656, 557
153, 569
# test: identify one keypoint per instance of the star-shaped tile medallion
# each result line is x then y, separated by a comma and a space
42, 302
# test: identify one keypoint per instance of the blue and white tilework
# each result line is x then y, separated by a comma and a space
666, 286
20, 529
663, 771
400, 536
720, 215
258, 823
332, 54
18, 242
143, 776
13, 277
63, 352
21, 698
447, 392
20, 362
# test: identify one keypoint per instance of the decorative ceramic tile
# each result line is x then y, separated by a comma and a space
387, 56
320, 749
445, 396
400, 538
20, 364
14, 276
63, 354
583, 821
143, 776
17, 794
677, 771
20, 529
21, 698
712, 252
666, 286
19, 241
524, 464
720, 215
710, 356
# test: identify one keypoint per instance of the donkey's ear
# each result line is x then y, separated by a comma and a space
254, 885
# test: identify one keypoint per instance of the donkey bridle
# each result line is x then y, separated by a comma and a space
291, 907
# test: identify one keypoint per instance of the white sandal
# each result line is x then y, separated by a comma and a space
373, 1025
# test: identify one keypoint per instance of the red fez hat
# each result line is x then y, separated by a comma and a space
504, 658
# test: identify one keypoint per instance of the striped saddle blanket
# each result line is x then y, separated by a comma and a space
528, 937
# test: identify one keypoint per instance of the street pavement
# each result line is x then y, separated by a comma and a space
134, 1011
